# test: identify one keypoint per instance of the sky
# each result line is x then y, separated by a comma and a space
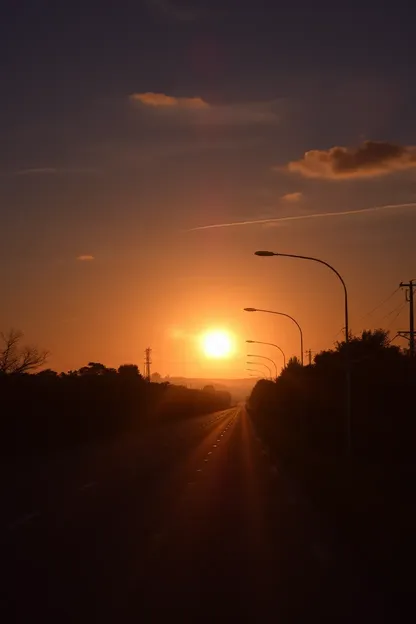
149, 148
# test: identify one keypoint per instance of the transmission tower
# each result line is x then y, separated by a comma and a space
147, 363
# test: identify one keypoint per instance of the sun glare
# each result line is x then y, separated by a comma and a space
217, 344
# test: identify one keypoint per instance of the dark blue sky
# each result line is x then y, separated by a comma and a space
86, 169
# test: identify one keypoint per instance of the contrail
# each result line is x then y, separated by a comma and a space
319, 215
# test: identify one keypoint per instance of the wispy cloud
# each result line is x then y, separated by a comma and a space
196, 110
35, 171
370, 159
292, 197
319, 215
85, 258
161, 100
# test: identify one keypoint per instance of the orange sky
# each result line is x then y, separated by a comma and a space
123, 133
110, 308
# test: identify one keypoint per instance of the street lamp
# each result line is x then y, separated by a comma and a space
264, 358
347, 333
288, 316
271, 344
257, 371
261, 364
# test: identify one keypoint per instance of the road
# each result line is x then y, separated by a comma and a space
191, 520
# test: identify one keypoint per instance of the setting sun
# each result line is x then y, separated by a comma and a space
217, 344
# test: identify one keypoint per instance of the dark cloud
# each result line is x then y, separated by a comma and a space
370, 159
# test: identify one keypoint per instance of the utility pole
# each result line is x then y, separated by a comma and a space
411, 333
147, 362
309, 353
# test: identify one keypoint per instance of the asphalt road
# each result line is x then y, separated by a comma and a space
190, 521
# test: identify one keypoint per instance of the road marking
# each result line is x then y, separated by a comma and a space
214, 446
88, 485
24, 519
210, 453
199, 470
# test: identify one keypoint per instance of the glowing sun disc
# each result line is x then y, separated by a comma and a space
217, 344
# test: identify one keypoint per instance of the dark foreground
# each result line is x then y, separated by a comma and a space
191, 522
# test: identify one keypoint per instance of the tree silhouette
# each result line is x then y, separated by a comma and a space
294, 364
47, 373
301, 417
97, 369
17, 358
129, 371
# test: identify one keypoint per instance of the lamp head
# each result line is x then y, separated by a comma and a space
265, 253
250, 309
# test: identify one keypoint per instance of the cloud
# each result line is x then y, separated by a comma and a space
85, 258
160, 100
51, 171
370, 159
293, 197
319, 215
196, 110
36, 171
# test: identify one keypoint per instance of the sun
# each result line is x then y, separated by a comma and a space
217, 344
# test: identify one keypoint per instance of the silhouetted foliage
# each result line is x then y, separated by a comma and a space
47, 412
129, 371
293, 363
209, 389
302, 418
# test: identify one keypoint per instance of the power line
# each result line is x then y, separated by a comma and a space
392, 311
402, 306
338, 333
380, 304
392, 339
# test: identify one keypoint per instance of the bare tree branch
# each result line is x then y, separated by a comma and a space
15, 358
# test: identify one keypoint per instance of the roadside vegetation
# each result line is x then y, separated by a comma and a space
46, 412
367, 493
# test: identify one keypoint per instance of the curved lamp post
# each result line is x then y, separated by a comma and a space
262, 364
256, 371
255, 355
270, 344
288, 316
347, 334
